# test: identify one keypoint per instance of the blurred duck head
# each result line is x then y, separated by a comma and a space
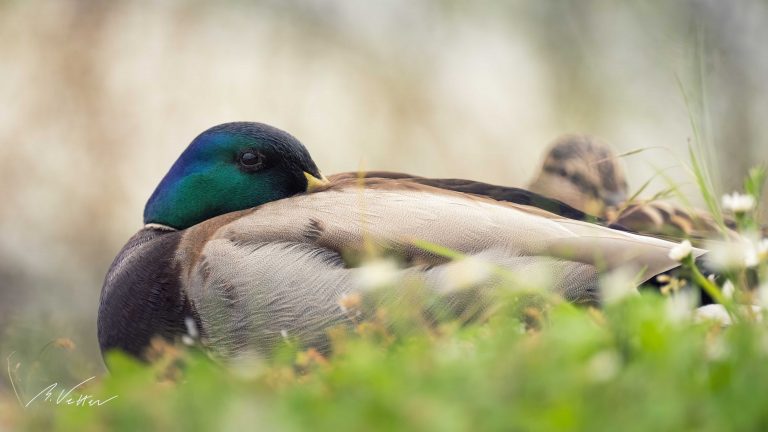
583, 172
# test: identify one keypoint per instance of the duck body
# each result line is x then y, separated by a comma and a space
249, 278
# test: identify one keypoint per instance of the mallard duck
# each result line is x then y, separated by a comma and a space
584, 172
246, 241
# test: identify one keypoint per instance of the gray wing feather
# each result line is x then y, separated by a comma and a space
250, 296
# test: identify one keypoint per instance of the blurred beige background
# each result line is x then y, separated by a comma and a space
96, 102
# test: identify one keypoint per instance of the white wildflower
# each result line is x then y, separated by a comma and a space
713, 312
739, 203
724, 255
618, 285
716, 349
466, 272
535, 276
762, 249
377, 274
755, 251
751, 259
717, 313
728, 289
681, 251
680, 306
284, 333
746, 251
762, 295
604, 365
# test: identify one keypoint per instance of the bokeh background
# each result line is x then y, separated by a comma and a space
98, 99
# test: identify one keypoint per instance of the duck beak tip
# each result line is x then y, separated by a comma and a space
314, 183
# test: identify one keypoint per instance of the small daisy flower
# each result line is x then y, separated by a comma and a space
466, 272
377, 274
754, 252
681, 251
716, 349
762, 249
738, 203
743, 252
604, 365
680, 307
728, 289
618, 285
713, 312
762, 295
750, 258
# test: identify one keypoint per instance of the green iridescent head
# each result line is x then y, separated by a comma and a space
229, 167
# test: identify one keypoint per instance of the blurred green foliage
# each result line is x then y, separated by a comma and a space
637, 365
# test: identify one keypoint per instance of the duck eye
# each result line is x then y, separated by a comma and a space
251, 160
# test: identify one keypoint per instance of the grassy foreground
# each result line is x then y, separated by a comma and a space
640, 364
